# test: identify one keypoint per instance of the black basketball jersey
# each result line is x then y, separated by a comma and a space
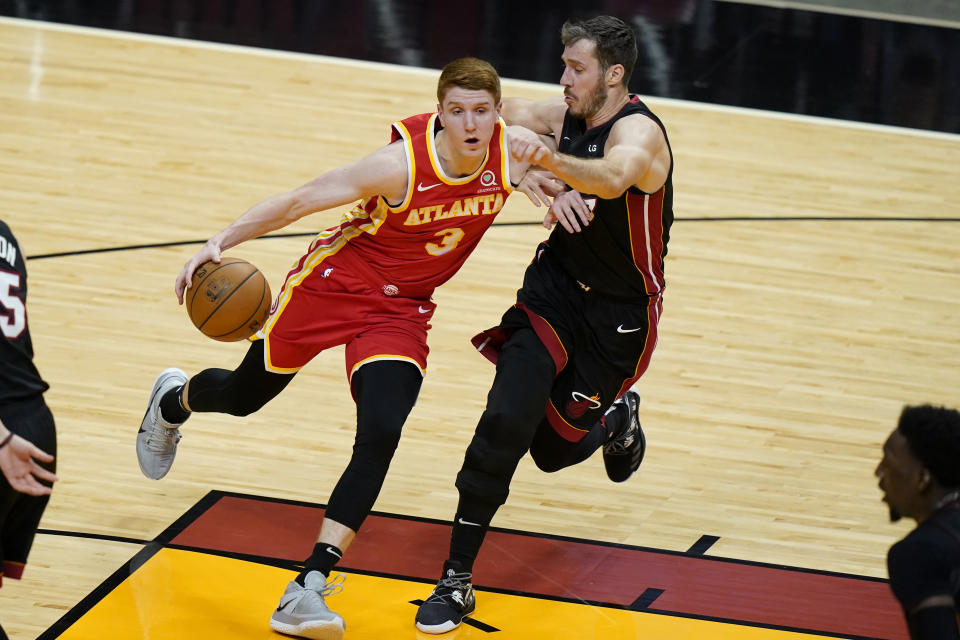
19, 378
926, 562
621, 251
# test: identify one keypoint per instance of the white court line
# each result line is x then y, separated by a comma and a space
420, 71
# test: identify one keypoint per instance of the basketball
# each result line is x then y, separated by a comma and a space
228, 301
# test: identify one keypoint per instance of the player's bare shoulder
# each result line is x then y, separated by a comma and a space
640, 130
640, 142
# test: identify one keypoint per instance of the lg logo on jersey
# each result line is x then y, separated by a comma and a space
592, 148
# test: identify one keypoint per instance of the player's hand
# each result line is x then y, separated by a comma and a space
532, 150
18, 460
209, 253
541, 187
570, 210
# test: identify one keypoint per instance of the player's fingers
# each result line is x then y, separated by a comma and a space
583, 212
39, 454
570, 215
43, 474
532, 197
30, 486
562, 220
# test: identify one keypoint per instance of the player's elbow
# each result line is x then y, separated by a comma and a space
611, 190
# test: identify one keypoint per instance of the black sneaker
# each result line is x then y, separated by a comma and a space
452, 599
623, 453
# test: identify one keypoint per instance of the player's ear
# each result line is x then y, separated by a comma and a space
440, 114
615, 75
499, 107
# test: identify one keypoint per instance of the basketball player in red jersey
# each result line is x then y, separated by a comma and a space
426, 199
585, 323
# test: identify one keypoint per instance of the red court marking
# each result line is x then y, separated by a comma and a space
698, 586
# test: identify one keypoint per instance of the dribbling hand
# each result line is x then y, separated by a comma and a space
209, 252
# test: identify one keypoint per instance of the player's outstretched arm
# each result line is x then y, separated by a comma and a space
539, 186
636, 155
18, 461
540, 116
383, 172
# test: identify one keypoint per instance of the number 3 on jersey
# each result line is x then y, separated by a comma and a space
450, 239
13, 315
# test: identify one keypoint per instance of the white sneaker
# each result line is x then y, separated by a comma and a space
303, 612
157, 439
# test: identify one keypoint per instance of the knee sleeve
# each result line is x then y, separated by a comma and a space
239, 392
386, 392
515, 406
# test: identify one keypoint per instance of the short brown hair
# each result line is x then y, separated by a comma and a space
469, 73
614, 39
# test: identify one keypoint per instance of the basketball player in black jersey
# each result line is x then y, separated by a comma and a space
920, 479
585, 322
25, 420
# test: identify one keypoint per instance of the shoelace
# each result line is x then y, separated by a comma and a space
160, 437
622, 444
334, 586
453, 582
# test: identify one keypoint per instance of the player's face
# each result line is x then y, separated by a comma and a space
900, 477
469, 116
584, 88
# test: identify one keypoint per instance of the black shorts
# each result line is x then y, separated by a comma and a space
20, 513
599, 345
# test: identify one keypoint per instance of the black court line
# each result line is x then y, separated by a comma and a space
92, 536
309, 234
100, 592
483, 626
701, 546
117, 577
212, 497
646, 599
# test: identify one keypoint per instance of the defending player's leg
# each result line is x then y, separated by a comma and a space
525, 373
303, 609
618, 433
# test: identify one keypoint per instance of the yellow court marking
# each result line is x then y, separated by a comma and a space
184, 595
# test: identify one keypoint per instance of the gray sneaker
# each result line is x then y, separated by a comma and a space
157, 439
303, 612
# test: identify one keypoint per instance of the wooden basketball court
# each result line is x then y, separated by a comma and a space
812, 292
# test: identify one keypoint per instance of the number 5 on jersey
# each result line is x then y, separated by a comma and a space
14, 320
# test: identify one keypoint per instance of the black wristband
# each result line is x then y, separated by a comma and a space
6, 440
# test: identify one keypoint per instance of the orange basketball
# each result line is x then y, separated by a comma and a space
228, 301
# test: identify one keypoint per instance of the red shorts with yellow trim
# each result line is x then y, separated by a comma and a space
600, 346
340, 302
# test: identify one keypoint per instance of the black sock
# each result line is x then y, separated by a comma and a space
323, 559
171, 409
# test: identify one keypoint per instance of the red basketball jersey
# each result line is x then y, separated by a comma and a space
418, 244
